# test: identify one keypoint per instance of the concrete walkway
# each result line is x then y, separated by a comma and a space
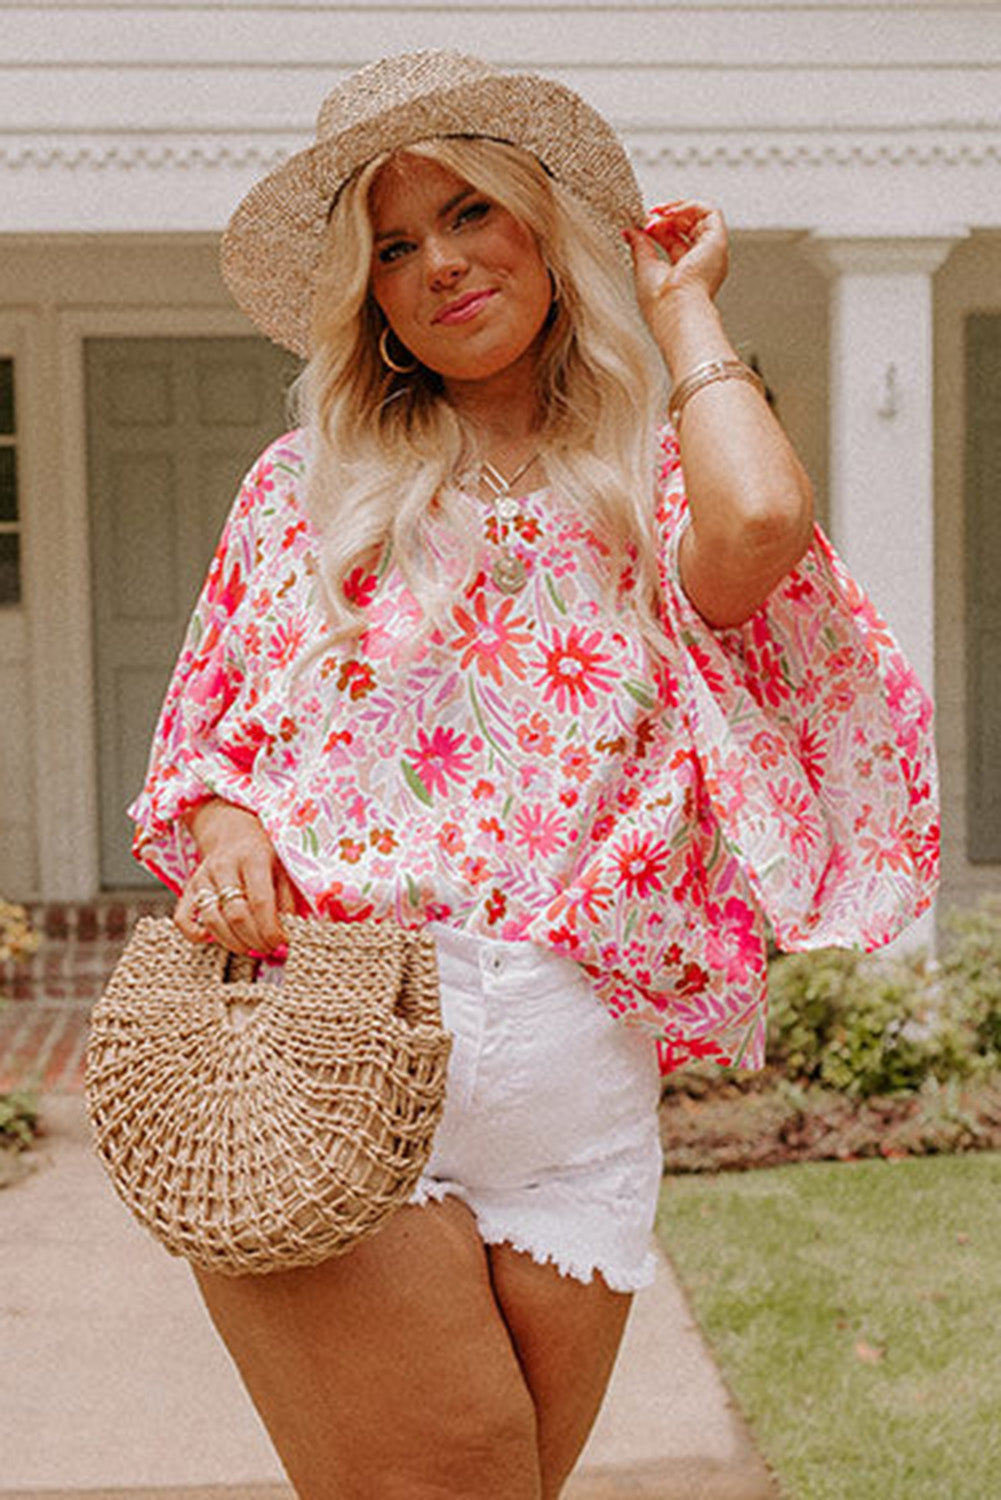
113, 1384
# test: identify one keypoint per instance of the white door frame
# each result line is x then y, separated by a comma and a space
62, 656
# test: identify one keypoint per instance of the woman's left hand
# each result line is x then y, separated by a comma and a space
749, 498
693, 239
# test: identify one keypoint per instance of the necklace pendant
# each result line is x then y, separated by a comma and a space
509, 573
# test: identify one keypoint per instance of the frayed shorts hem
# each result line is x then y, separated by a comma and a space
571, 1261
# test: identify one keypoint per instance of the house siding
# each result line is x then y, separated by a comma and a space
127, 133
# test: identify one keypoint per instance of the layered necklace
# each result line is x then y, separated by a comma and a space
508, 571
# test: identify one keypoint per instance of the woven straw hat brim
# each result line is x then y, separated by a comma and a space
272, 246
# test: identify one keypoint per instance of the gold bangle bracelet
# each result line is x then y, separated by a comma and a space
702, 375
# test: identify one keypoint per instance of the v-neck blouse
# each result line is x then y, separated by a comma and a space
532, 772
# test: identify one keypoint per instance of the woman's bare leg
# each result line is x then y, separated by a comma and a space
566, 1334
422, 1365
388, 1372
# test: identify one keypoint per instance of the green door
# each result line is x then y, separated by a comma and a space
983, 587
173, 424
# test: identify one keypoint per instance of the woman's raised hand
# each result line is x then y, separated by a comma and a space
682, 247
238, 891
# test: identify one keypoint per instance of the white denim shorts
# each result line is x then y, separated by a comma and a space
550, 1131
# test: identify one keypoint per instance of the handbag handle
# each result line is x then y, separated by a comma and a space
419, 1000
240, 968
413, 994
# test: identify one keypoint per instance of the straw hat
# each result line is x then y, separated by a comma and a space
271, 247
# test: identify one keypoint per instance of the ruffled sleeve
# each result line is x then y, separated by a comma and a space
814, 738
207, 737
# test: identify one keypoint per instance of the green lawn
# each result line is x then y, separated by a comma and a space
855, 1310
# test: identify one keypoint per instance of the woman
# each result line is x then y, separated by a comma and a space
483, 647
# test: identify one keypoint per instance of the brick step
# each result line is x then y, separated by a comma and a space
42, 1047
43, 1030
106, 918
80, 942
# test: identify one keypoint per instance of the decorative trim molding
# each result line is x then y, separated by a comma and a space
127, 153
124, 154
785, 151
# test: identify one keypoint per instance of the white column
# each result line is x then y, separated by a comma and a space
882, 493
881, 433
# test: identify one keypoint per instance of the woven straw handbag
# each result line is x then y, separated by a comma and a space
253, 1127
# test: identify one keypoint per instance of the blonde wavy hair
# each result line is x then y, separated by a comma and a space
385, 447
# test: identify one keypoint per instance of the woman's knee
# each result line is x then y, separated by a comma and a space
490, 1452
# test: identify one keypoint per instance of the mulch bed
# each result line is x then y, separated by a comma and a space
724, 1123
733, 1124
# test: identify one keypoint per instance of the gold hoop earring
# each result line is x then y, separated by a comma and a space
384, 354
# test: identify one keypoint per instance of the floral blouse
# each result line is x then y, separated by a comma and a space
532, 772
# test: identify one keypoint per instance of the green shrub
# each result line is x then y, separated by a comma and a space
18, 1118
971, 975
861, 1025
18, 1109
17, 939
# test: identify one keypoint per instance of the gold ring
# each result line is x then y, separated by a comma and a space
206, 897
230, 893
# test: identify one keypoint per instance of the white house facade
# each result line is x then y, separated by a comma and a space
855, 150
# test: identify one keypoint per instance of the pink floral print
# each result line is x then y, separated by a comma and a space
531, 771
